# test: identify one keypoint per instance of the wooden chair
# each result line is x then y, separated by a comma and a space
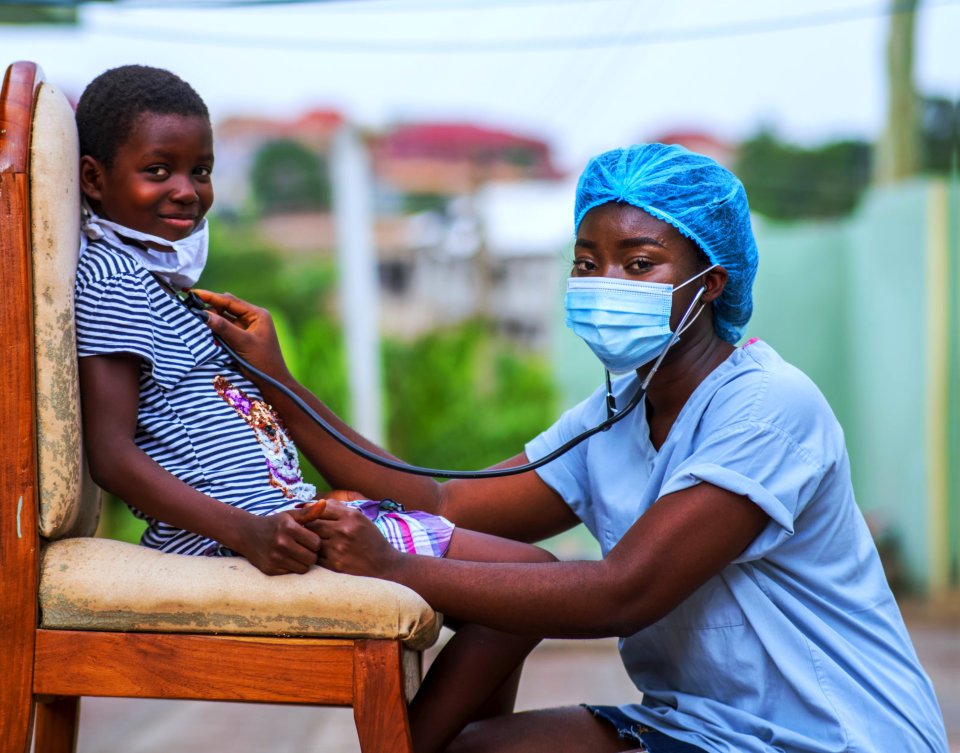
85, 616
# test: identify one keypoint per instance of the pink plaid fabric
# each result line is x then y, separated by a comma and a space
413, 532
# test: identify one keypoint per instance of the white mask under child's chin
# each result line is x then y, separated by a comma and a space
179, 268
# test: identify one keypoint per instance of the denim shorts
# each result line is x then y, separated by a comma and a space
628, 729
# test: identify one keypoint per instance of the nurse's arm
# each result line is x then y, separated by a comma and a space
682, 541
520, 507
250, 331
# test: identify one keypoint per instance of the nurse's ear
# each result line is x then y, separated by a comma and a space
714, 281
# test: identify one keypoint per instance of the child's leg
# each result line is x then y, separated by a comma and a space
476, 674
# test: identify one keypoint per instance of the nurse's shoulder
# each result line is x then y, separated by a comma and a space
767, 392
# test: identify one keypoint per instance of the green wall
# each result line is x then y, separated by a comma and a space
889, 368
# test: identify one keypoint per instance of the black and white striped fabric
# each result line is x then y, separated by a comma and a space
198, 418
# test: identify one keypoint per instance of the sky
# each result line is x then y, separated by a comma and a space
586, 75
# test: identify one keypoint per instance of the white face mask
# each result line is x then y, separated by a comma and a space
179, 268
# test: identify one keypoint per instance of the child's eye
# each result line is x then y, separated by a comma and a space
159, 171
203, 171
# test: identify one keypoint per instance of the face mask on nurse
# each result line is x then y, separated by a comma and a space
626, 323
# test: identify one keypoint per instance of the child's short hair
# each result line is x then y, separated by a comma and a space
113, 101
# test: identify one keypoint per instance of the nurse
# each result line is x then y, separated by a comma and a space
752, 608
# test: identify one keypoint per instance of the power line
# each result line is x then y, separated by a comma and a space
528, 44
227, 4
337, 6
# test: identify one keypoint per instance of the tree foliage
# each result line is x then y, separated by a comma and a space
940, 134
462, 398
289, 177
787, 182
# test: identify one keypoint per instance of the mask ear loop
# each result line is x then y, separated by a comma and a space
698, 274
692, 319
684, 323
682, 327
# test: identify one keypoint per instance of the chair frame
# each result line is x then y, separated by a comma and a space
46, 671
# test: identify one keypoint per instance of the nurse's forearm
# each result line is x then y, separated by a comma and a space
675, 547
551, 600
341, 468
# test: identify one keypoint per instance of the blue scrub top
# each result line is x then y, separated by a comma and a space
798, 645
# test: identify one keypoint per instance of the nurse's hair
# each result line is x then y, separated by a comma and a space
112, 102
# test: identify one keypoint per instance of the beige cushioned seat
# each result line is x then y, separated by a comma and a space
98, 584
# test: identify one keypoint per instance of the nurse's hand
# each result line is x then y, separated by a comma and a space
246, 328
350, 543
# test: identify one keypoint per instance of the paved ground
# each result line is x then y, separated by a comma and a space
557, 673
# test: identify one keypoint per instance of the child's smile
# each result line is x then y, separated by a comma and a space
160, 179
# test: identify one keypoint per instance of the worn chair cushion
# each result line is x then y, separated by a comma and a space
101, 584
69, 503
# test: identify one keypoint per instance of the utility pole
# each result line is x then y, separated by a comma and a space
483, 264
898, 151
359, 291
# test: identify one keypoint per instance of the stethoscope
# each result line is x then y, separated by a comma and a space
193, 302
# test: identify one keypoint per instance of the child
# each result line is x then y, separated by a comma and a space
173, 427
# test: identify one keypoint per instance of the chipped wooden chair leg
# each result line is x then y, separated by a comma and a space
57, 721
380, 706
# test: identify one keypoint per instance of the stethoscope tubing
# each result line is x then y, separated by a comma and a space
417, 470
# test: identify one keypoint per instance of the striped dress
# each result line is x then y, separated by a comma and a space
199, 417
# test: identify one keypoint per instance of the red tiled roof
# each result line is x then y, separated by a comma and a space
432, 138
312, 123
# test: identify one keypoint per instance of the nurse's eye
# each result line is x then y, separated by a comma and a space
583, 266
639, 264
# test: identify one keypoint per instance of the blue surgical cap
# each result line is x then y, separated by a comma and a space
699, 197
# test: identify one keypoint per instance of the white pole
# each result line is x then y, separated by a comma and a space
359, 304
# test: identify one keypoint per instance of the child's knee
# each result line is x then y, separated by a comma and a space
536, 554
480, 547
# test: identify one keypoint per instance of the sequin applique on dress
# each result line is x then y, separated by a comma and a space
278, 448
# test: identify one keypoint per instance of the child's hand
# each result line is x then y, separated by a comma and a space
352, 544
277, 544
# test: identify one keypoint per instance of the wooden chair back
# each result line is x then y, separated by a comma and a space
84, 616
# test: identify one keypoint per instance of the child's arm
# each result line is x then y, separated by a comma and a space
109, 392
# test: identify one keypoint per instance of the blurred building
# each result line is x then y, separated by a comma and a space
450, 159
501, 252
701, 142
239, 140
468, 220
